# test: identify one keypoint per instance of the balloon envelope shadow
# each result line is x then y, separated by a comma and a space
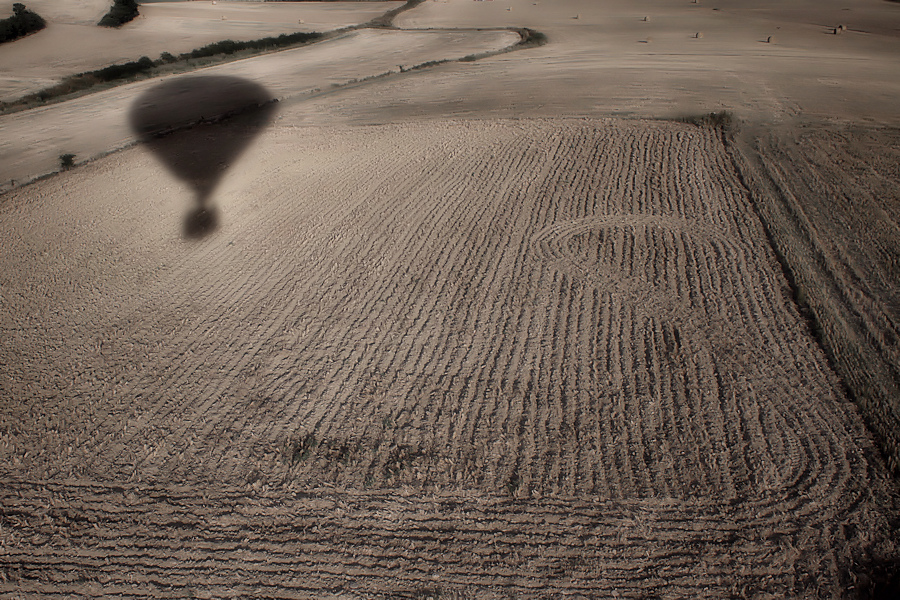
198, 126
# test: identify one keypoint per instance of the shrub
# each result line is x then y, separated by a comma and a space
128, 69
425, 65
723, 120
20, 24
531, 38
66, 161
166, 57
120, 13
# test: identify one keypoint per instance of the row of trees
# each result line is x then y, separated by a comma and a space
20, 24
231, 46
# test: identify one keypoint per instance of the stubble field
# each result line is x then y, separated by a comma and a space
435, 357
36, 62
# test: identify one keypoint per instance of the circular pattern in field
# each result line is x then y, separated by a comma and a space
683, 358
633, 255
508, 357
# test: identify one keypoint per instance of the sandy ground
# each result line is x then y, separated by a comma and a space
461, 332
35, 62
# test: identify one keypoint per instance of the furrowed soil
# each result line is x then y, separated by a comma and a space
497, 358
830, 196
459, 334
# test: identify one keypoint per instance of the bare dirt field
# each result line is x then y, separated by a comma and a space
429, 339
836, 216
464, 331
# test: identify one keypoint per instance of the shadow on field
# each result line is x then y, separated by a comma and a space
198, 126
872, 579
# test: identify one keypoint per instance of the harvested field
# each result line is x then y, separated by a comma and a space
598, 64
458, 333
485, 358
36, 62
96, 124
816, 185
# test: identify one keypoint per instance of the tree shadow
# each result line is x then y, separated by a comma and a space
198, 126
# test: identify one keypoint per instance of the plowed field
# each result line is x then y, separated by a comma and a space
832, 208
489, 358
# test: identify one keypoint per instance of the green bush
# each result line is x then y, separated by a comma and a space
20, 24
120, 13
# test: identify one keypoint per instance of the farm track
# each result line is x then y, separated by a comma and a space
516, 358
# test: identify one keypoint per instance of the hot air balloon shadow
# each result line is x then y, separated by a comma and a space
198, 126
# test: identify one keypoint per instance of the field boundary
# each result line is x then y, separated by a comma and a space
261, 543
868, 379
225, 51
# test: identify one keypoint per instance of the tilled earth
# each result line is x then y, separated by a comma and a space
476, 358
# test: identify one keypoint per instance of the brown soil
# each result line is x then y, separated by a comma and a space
491, 358
441, 346
830, 196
